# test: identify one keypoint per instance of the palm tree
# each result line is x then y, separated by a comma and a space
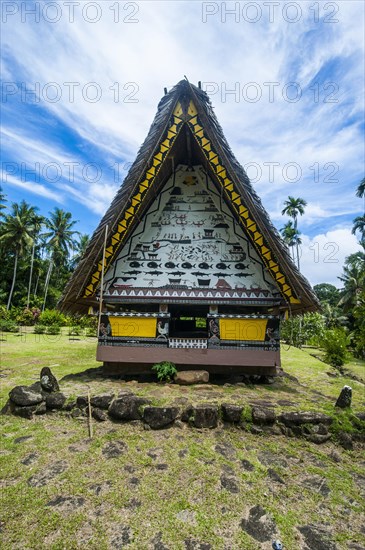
353, 278
359, 225
59, 239
81, 248
289, 233
361, 189
293, 207
2, 202
333, 316
38, 221
17, 235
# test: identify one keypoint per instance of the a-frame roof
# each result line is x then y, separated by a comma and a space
184, 121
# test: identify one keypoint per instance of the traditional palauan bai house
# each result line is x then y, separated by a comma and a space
186, 266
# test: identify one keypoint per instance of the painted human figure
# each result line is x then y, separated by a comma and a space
105, 328
213, 330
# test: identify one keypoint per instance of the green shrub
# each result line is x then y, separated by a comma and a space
89, 332
335, 344
74, 331
53, 329
25, 317
165, 370
51, 317
39, 329
83, 321
303, 329
7, 325
359, 328
13, 313
4, 314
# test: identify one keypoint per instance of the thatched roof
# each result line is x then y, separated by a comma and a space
185, 124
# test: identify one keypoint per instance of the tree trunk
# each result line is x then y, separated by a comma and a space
13, 283
31, 273
291, 252
50, 267
36, 285
297, 246
298, 263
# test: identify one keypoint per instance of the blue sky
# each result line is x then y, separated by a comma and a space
81, 83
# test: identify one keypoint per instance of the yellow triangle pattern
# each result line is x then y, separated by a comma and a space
192, 110
129, 214
218, 167
235, 198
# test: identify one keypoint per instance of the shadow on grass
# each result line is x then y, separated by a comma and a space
285, 383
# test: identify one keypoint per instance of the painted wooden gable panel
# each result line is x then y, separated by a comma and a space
189, 238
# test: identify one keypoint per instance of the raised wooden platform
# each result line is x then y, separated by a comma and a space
134, 360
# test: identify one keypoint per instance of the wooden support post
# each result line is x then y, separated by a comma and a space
102, 280
90, 417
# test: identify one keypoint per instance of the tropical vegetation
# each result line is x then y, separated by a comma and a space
38, 254
292, 208
340, 325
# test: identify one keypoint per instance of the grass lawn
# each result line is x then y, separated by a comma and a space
181, 488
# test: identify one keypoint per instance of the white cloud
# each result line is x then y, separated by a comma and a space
323, 256
171, 40
34, 188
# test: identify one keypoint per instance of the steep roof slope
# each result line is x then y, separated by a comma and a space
185, 107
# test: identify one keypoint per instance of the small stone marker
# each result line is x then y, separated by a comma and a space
187, 377
48, 380
345, 397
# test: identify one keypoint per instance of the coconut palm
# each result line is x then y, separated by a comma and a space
291, 238
38, 221
80, 250
58, 240
361, 189
359, 225
353, 279
293, 207
2, 202
289, 234
17, 235
333, 316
